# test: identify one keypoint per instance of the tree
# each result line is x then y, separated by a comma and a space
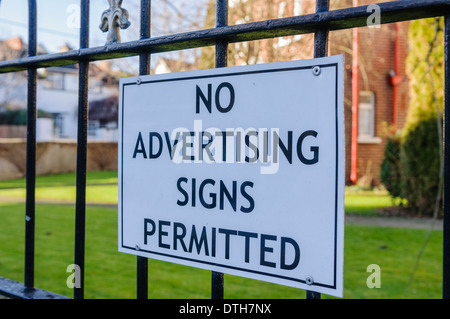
167, 17
421, 150
425, 67
260, 51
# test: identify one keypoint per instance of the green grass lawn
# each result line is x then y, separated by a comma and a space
110, 274
366, 203
101, 188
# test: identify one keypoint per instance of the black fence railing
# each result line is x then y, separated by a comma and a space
319, 23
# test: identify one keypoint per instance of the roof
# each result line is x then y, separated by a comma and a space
105, 110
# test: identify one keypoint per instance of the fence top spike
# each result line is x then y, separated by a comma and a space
114, 19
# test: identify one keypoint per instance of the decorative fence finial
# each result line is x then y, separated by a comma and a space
112, 19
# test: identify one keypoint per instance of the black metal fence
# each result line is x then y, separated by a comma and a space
319, 23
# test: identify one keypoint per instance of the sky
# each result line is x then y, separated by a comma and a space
57, 20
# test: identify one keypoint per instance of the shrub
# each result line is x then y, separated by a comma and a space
420, 162
390, 172
420, 143
13, 117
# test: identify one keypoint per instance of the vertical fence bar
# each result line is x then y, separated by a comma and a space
31, 150
320, 50
446, 248
144, 69
221, 21
321, 35
217, 278
80, 205
355, 105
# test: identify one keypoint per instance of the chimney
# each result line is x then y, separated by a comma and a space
16, 43
66, 47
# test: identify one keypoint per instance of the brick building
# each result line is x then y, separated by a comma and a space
379, 106
382, 94
383, 97
377, 110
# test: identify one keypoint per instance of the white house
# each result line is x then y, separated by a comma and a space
57, 94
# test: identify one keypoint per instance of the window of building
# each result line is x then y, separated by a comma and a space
59, 124
55, 81
297, 7
93, 126
366, 118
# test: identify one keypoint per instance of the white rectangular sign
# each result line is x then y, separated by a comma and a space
238, 170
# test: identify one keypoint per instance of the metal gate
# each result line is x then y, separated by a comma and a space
319, 23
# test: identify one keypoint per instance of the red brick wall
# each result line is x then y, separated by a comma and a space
376, 60
11, 131
54, 157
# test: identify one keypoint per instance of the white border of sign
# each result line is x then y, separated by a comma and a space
336, 62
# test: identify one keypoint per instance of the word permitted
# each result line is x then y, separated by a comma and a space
207, 241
